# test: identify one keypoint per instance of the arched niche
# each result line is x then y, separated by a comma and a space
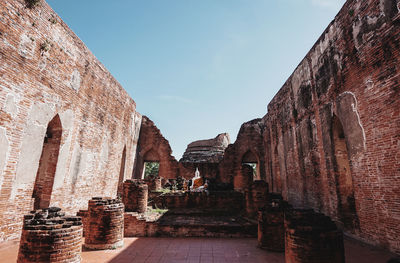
344, 181
44, 181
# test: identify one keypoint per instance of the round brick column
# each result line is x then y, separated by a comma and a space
312, 237
256, 197
135, 196
271, 227
50, 236
105, 224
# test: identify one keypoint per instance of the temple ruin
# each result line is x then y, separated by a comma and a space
322, 165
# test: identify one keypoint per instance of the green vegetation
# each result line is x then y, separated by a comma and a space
151, 169
45, 46
163, 191
53, 20
157, 210
32, 3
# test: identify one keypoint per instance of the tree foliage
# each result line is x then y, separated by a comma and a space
151, 169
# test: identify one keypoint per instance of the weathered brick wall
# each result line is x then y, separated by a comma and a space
207, 170
46, 72
249, 143
332, 133
152, 146
218, 200
204, 155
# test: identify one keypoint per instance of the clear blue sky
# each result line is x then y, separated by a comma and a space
199, 68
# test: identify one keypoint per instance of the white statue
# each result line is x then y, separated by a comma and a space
196, 174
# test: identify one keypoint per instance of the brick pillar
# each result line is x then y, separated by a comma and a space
157, 184
50, 236
243, 179
135, 196
312, 237
256, 197
271, 227
105, 224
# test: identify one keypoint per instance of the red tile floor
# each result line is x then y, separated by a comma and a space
175, 250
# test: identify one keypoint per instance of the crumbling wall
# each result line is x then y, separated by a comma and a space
153, 146
204, 155
249, 142
46, 71
332, 133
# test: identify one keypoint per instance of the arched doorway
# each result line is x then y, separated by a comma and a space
121, 173
251, 159
344, 181
151, 164
47, 164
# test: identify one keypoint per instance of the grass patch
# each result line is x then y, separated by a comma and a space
157, 210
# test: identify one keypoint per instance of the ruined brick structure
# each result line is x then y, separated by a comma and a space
105, 224
64, 120
135, 195
332, 133
330, 140
248, 148
243, 180
207, 151
256, 197
312, 237
153, 147
49, 236
271, 229
205, 156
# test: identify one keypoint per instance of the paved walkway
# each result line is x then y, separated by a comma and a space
176, 250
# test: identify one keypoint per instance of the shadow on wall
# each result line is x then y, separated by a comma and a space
344, 181
121, 173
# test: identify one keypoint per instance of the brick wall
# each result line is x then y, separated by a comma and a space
153, 147
47, 72
332, 133
249, 143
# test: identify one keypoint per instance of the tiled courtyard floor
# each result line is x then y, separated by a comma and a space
176, 250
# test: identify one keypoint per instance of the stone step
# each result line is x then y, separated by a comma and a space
185, 225
200, 212
206, 226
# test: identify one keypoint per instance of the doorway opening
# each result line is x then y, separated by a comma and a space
47, 165
251, 159
151, 165
151, 170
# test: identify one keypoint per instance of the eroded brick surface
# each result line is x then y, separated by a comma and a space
105, 229
135, 196
332, 131
153, 147
50, 236
330, 140
46, 72
312, 237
